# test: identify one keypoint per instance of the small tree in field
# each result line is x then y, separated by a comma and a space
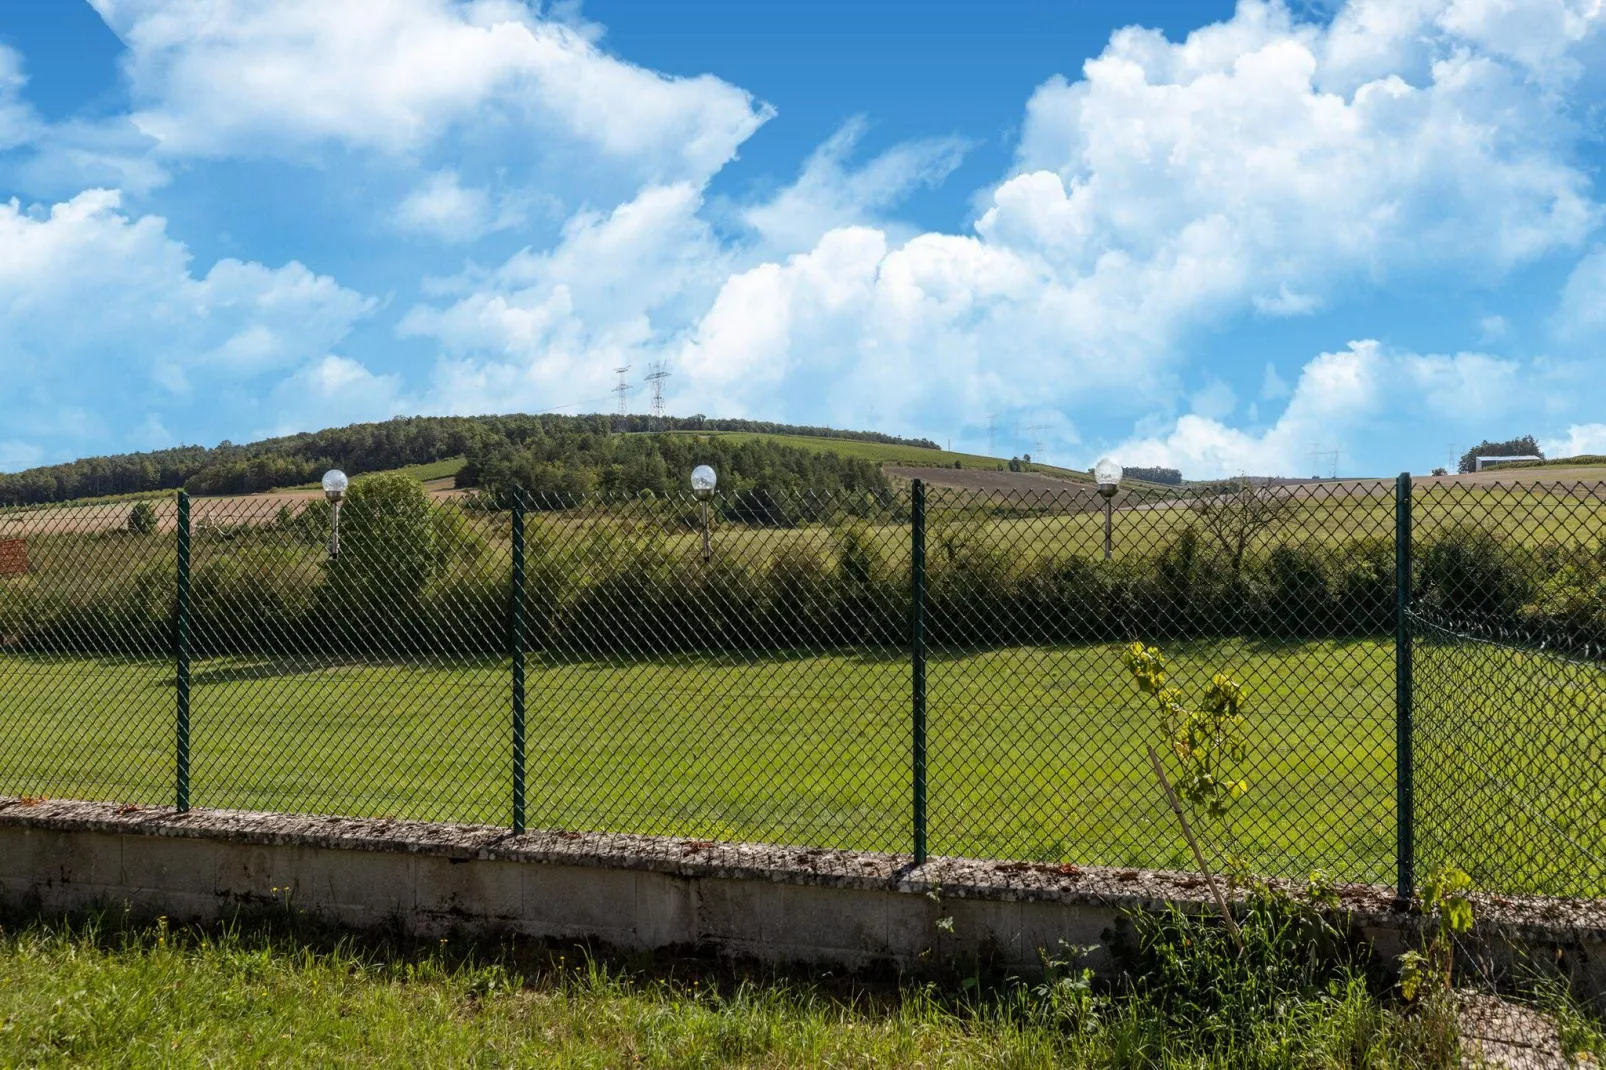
390, 548
1239, 514
141, 519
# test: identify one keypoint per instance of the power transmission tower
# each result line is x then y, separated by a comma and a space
1037, 442
1317, 456
656, 377
622, 389
992, 434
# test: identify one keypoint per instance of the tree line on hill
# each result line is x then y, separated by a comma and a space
296, 459
1171, 477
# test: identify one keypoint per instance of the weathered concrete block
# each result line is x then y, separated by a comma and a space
830, 919
571, 901
371, 880
738, 914
1046, 927
666, 910
988, 930
466, 892
187, 866
253, 874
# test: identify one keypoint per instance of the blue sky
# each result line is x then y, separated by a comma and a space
1195, 234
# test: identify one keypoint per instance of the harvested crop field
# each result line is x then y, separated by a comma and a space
985, 481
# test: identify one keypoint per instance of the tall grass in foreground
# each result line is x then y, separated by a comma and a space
100, 993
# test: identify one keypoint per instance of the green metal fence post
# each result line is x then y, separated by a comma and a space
516, 649
1404, 764
181, 657
917, 644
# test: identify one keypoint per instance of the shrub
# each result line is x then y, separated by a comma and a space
1570, 604
972, 586
1298, 594
141, 519
1364, 588
465, 610
1073, 598
1469, 573
389, 551
253, 598
60, 611
872, 604
619, 608
803, 597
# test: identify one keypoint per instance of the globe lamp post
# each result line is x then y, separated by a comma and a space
334, 489
703, 480
1107, 474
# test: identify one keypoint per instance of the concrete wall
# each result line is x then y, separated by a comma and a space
768, 903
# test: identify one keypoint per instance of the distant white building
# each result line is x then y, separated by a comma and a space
1479, 462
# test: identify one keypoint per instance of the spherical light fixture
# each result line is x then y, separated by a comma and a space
334, 489
335, 484
703, 481
1107, 474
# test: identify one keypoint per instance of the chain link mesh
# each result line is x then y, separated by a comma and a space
763, 694
1510, 671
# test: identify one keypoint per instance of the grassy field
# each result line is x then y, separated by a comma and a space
280, 993
886, 453
1583, 462
424, 473
1033, 753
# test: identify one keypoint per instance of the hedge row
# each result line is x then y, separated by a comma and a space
418, 582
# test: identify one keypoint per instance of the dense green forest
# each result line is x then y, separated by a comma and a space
568, 442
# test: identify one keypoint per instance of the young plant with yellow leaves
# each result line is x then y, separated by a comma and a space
1208, 739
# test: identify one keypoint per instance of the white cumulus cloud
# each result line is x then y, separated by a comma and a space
236, 77
101, 304
1262, 164
1582, 314
548, 327
1579, 439
1347, 400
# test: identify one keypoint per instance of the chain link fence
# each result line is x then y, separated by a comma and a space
932, 669
1508, 638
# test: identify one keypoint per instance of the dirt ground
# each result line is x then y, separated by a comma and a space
67, 518
982, 480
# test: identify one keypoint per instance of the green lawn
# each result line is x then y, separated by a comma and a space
1034, 753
